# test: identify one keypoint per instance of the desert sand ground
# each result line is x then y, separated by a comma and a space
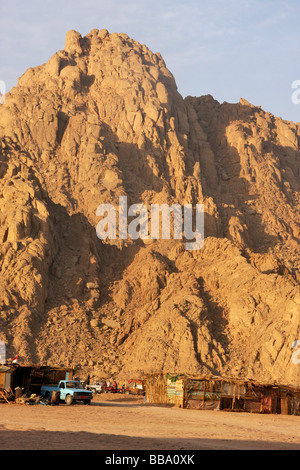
126, 423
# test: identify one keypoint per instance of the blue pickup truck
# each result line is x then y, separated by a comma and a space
70, 391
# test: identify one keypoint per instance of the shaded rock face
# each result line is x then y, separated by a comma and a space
103, 119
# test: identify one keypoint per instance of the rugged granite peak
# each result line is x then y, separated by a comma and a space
103, 119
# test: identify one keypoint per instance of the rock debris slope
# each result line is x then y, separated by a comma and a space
103, 119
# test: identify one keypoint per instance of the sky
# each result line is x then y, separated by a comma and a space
226, 48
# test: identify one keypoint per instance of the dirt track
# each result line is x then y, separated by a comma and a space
128, 424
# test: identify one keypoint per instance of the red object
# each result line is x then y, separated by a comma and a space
15, 359
112, 390
138, 381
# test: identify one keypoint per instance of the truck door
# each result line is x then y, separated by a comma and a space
62, 390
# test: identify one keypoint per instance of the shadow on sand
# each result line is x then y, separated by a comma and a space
56, 440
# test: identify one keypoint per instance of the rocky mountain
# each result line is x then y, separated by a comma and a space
103, 119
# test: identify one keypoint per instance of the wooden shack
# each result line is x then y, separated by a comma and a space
232, 394
5, 377
261, 398
5, 383
175, 390
182, 391
289, 400
202, 393
30, 378
156, 388
218, 393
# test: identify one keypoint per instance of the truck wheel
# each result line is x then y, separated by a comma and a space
69, 400
87, 402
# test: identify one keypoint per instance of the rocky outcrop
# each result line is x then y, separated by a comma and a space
103, 119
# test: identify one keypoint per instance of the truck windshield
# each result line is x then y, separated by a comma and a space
73, 385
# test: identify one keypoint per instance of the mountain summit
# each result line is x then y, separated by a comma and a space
103, 119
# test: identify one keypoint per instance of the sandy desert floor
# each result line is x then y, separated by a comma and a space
113, 423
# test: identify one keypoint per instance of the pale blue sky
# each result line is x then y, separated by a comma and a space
226, 48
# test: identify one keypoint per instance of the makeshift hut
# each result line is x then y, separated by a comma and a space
5, 377
175, 390
289, 400
181, 390
267, 398
202, 393
156, 388
295, 405
260, 398
218, 393
232, 394
5, 383
32, 377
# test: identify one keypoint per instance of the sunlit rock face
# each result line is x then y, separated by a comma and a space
103, 119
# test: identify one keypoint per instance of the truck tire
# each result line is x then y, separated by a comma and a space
87, 402
69, 400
